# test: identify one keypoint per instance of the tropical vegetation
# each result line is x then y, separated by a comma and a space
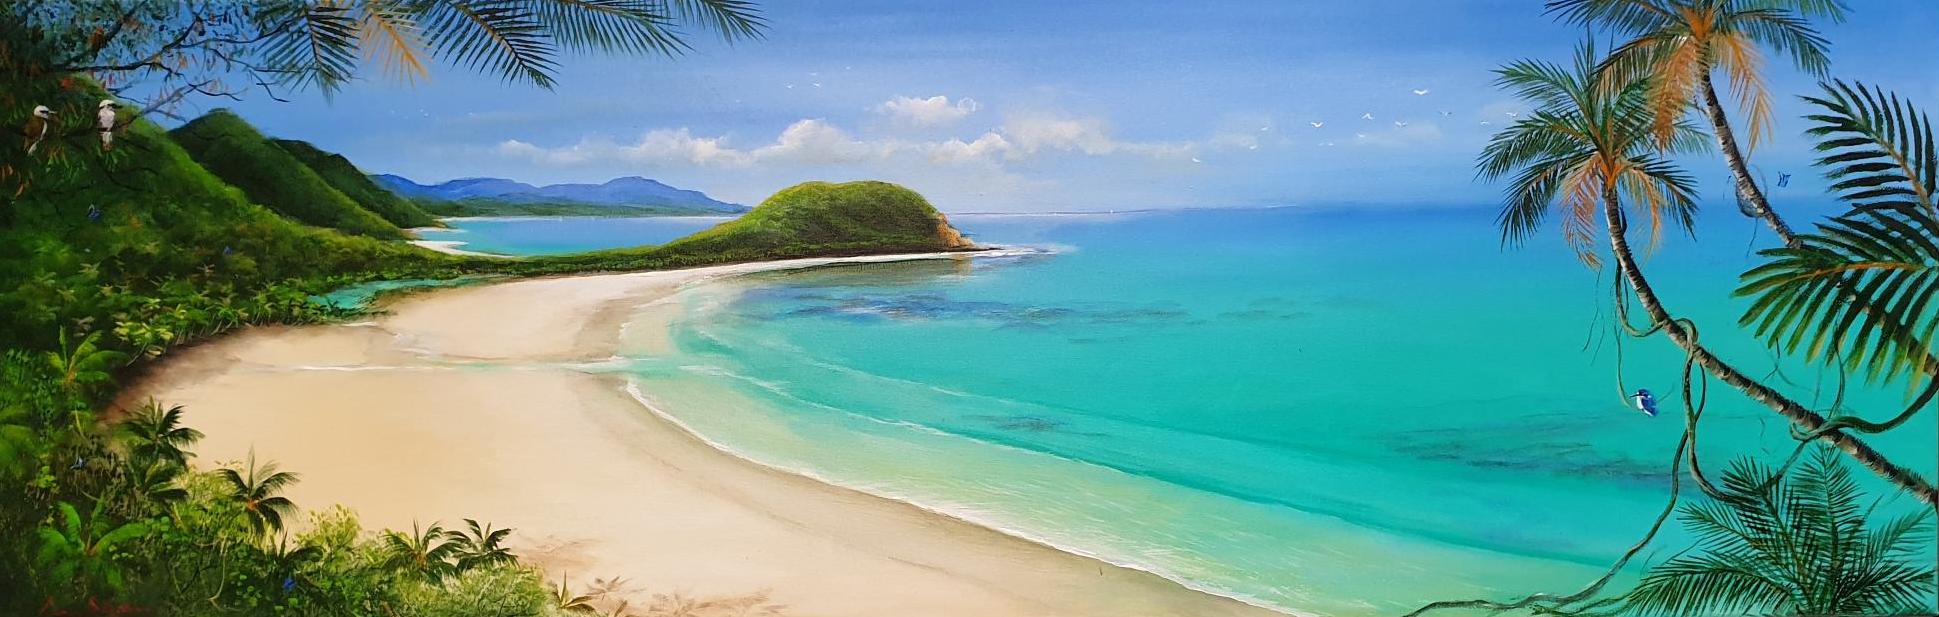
1853, 296
110, 258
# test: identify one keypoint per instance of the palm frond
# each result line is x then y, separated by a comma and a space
388, 33
1858, 293
630, 25
310, 45
499, 36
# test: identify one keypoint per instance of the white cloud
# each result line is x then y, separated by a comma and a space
934, 111
815, 142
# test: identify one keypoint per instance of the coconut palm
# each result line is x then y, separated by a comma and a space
1882, 257
156, 434
1587, 147
1796, 545
256, 487
426, 551
1679, 44
480, 545
84, 555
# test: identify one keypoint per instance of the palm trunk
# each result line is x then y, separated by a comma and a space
1804, 419
1739, 171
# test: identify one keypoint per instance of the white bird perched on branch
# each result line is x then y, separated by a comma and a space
38, 125
106, 117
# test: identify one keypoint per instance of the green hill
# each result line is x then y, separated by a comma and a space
341, 175
233, 150
145, 245
812, 219
824, 217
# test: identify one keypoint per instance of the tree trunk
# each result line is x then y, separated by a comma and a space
1804, 419
1739, 172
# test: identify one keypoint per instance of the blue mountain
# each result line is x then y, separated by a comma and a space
630, 191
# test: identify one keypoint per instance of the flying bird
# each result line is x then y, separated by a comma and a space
1366, 116
1511, 114
1195, 160
106, 118
1486, 123
1783, 179
1326, 144
1399, 124
817, 84
1317, 124
1420, 93
1359, 135
38, 125
1446, 113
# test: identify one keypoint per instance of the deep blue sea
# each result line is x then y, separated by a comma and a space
1334, 412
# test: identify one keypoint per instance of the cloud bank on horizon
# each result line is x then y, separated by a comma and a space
1016, 106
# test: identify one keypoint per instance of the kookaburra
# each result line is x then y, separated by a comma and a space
106, 115
38, 126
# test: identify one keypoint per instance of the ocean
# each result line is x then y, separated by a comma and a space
1332, 412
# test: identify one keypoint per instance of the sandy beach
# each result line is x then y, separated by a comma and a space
386, 418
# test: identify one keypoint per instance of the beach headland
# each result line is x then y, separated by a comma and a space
475, 402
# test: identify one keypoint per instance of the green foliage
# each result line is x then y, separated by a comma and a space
343, 176
1798, 544
228, 146
426, 552
86, 554
480, 545
1583, 143
1858, 293
812, 219
256, 488
154, 434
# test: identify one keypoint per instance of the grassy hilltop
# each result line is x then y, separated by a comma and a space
343, 176
805, 220
228, 146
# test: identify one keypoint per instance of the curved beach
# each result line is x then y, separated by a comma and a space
388, 418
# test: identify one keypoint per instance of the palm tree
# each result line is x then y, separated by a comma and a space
567, 602
1798, 545
83, 364
1591, 144
480, 546
256, 488
85, 553
1678, 44
427, 552
156, 434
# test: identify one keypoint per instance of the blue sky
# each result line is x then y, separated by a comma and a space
1035, 106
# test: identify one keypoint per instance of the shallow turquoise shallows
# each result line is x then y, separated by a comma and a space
526, 236
1335, 413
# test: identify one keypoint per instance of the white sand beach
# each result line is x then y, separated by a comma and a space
376, 417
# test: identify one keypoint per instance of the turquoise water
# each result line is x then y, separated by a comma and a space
1327, 413
559, 235
361, 295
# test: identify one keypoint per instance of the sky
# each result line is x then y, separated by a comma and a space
1026, 106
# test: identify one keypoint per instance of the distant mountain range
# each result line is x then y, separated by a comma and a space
631, 192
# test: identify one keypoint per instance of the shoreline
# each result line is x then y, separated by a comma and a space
476, 388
